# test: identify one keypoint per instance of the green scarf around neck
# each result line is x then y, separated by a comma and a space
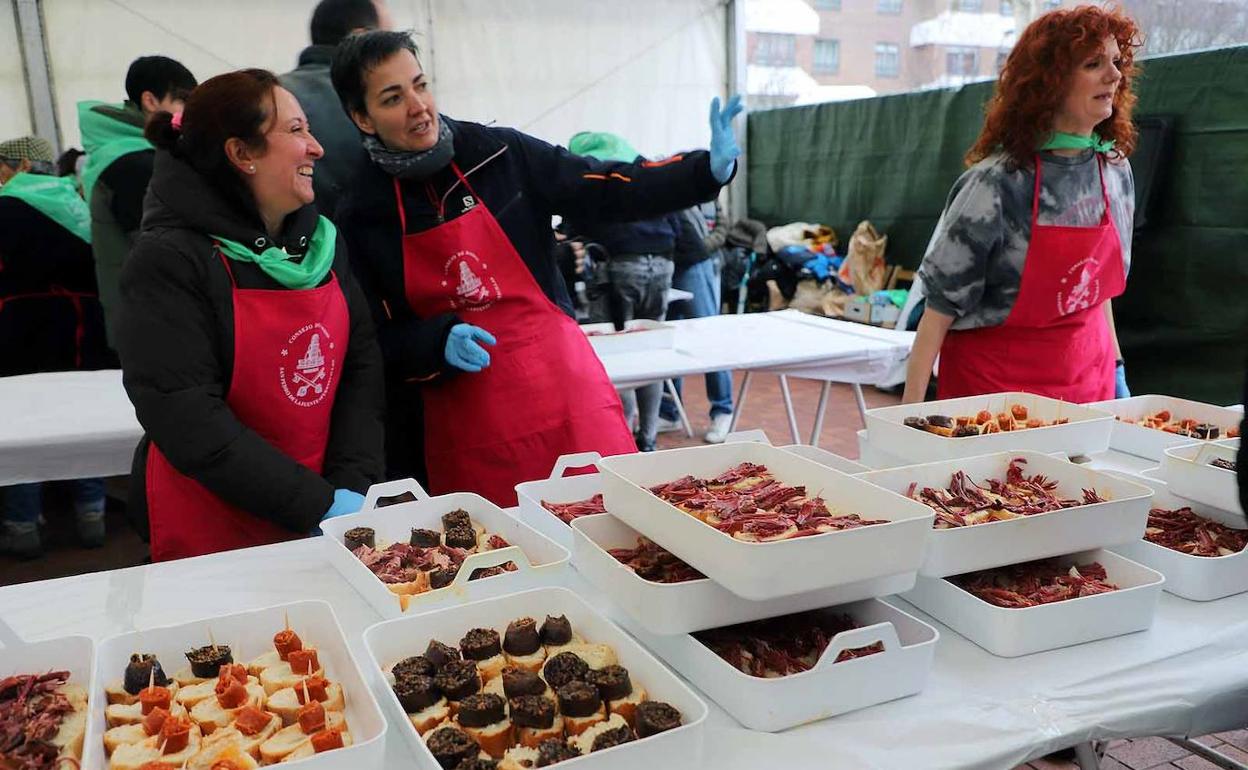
107, 137
1060, 140
278, 265
54, 197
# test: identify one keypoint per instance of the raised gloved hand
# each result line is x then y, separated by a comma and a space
345, 501
724, 149
1120, 382
463, 348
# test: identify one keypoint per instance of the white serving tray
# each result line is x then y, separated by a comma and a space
821, 456
1198, 578
75, 654
1087, 433
654, 335
250, 634
538, 560
997, 543
558, 489
681, 608
1188, 472
1150, 442
390, 641
762, 571
828, 689
871, 456
1022, 631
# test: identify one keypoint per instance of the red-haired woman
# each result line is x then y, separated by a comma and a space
1036, 236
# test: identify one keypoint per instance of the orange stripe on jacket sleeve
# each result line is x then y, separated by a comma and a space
663, 162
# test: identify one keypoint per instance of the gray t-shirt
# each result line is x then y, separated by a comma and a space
974, 262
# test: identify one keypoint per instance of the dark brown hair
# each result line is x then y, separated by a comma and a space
1038, 74
236, 105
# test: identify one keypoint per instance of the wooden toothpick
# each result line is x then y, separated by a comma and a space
212, 641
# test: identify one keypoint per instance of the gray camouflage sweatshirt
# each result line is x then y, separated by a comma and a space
974, 262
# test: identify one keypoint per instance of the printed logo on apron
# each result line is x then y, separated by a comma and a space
469, 202
308, 381
1080, 288
475, 288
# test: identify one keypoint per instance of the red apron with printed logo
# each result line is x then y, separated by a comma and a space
1056, 341
288, 351
545, 393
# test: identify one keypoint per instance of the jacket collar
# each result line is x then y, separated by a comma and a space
316, 55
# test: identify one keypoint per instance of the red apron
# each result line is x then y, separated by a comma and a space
288, 351
1056, 341
545, 393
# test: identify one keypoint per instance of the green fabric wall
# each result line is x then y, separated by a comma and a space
1183, 321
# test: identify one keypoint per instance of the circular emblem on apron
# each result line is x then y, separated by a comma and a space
305, 371
1081, 287
468, 282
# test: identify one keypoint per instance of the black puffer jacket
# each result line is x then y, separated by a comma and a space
177, 354
524, 182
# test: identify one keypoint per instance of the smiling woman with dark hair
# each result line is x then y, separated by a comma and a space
450, 226
1036, 237
246, 345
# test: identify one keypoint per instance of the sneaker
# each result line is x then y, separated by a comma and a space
720, 424
669, 426
20, 540
90, 528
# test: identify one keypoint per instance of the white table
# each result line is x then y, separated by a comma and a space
1188, 675
65, 425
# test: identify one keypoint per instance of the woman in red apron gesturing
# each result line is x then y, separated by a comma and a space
1036, 237
247, 348
450, 226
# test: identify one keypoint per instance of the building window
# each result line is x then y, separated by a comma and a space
962, 61
888, 6
1007, 7
827, 57
1002, 57
776, 50
827, 5
970, 6
887, 60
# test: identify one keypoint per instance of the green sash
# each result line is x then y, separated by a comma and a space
56, 198
105, 138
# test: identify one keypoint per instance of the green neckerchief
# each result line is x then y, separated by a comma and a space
602, 146
56, 198
1060, 140
305, 274
105, 138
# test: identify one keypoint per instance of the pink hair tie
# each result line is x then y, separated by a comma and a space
177, 121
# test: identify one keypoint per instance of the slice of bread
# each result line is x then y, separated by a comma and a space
267, 660
627, 707
122, 735
223, 746
574, 726
533, 737
183, 677
117, 714
116, 693
596, 655
532, 662
73, 729
280, 677
491, 668
132, 756
493, 739
285, 703
585, 741
305, 749
210, 716
431, 716
519, 758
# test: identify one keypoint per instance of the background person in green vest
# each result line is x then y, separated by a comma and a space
50, 319
119, 165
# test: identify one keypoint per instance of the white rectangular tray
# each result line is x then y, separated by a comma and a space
681, 608
75, 654
654, 335
981, 546
871, 456
821, 456
1150, 442
828, 689
1087, 432
250, 634
1021, 631
1188, 472
1198, 578
762, 571
538, 560
390, 641
558, 489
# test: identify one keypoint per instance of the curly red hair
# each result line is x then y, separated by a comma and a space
1038, 73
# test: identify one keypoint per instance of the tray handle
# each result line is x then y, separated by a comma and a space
9, 639
576, 460
496, 558
392, 489
883, 632
742, 436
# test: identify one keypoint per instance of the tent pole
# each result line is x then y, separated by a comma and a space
30, 38
738, 204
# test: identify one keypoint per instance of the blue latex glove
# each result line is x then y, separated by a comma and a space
724, 149
345, 501
1120, 382
463, 349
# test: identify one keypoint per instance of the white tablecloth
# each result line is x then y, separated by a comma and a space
65, 425
1188, 674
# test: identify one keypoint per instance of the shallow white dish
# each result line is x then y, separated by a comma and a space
1152, 443
75, 654
558, 489
1188, 472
